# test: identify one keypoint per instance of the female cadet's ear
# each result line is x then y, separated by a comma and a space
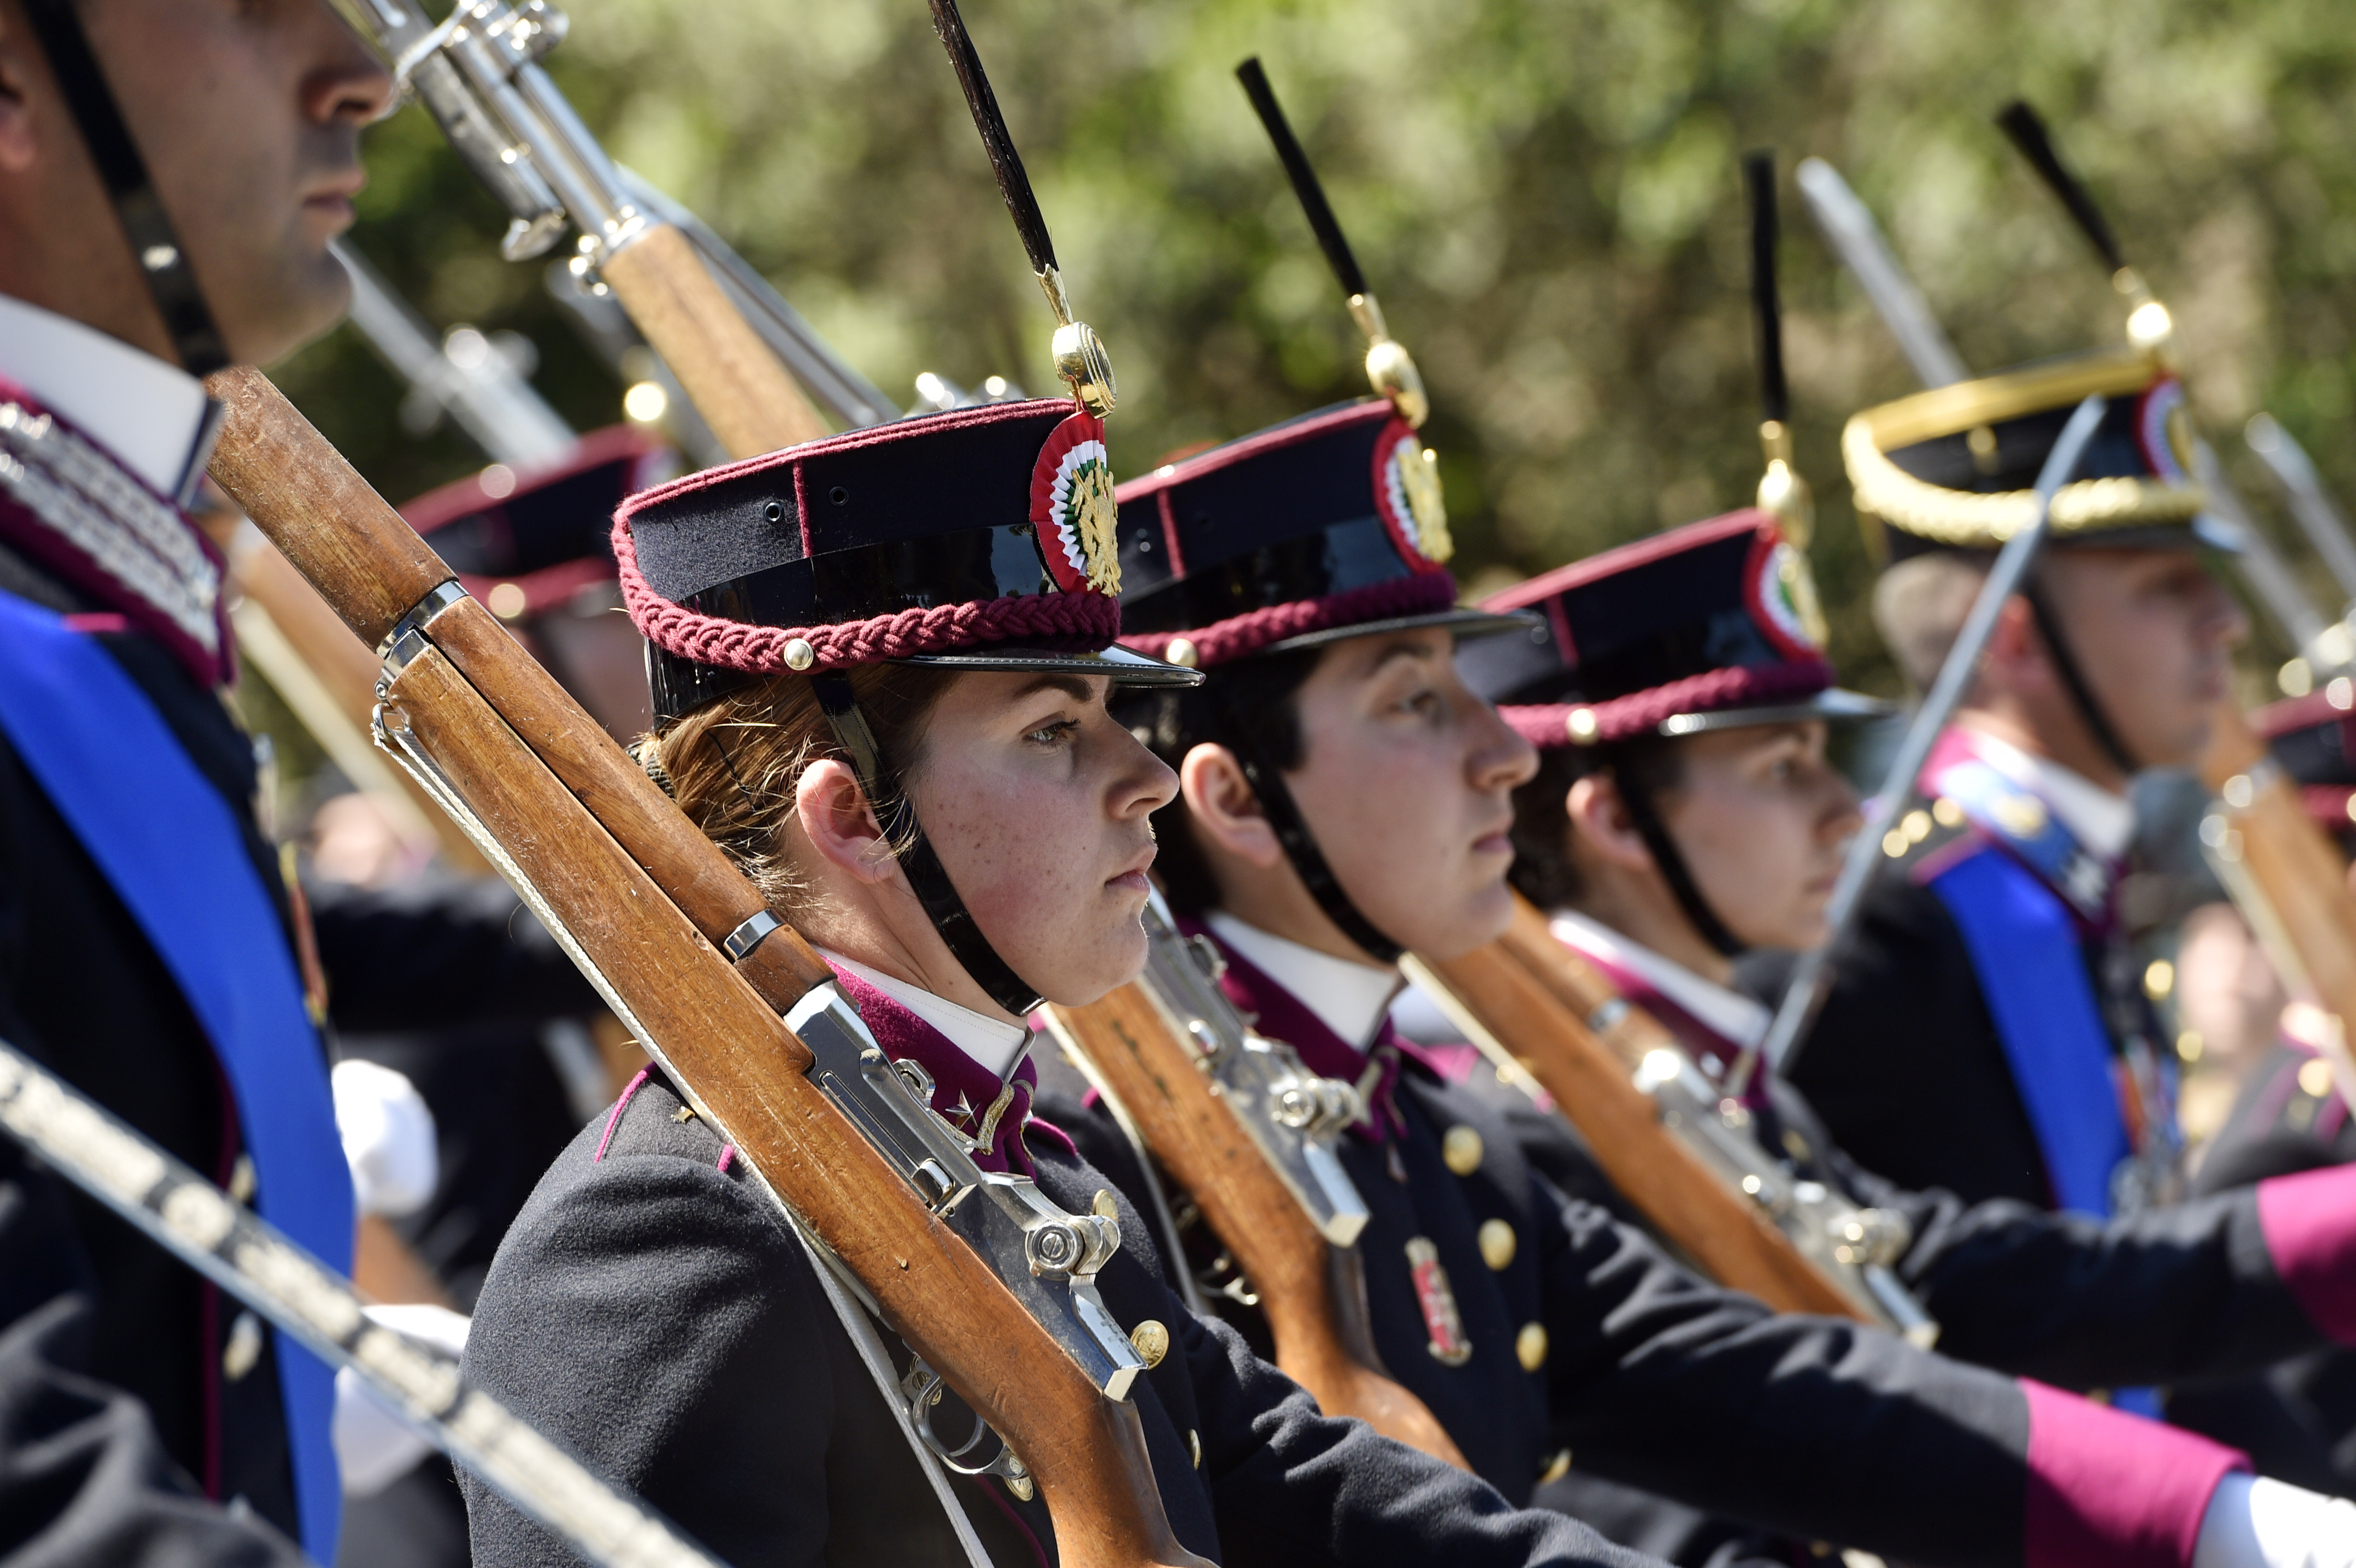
17, 143
1225, 811
1599, 820
840, 825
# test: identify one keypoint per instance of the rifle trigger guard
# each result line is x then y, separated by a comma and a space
922, 1387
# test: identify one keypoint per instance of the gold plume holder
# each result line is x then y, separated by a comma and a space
1785, 496
1389, 366
1080, 356
2150, 328
1782, 494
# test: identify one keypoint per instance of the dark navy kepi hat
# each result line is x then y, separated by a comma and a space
1327, 526
1706, 626
981, 538
529, 540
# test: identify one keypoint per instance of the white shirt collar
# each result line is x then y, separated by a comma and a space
1726, 1013
2103, 822
1352, 1000
995, 1045
151, 417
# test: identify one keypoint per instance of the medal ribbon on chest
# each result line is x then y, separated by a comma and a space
1442, 1323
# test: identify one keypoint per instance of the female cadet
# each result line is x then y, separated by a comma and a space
1302, 567
880, 669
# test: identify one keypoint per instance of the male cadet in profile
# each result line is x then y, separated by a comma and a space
1987, 1032
171, 172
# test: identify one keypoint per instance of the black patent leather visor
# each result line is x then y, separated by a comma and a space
1125, 667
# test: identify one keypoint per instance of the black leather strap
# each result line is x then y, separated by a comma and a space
1675, 871
927, 875
2073, 679
1276, 804
155, 247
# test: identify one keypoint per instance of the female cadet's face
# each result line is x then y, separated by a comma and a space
1761, 819
1406, 782
1039, 805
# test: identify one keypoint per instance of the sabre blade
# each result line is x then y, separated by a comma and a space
1849, 229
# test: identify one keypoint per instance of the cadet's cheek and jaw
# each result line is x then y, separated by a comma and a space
249, 113
1039, 808
1405, 781
1761, 819
2152, 629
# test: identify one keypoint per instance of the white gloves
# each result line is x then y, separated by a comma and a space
388, 1136
2253, 1522
373, 1445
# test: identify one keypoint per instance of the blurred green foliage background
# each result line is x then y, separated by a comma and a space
1544, 194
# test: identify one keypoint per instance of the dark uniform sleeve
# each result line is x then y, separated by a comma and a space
1293, 1488
652, 1314
1904, 1065
2184, 1292
440, 952
84, 1480
1816, 1428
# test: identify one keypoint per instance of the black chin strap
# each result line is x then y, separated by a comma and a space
1674, 869
2073, 679
156, 248
1283, 815
925, 873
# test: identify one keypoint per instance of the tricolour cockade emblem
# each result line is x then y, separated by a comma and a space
2164, 429
1408, 495
1781, 591
1072, 506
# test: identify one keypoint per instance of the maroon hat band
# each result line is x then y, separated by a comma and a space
1091, 619
525, 541
979, 533
1680, 632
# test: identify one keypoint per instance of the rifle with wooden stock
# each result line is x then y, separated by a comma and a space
1247, 1130
1685, 1157
989, 1284
479, 74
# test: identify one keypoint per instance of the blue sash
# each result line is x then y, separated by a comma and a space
173, 851
2024, 946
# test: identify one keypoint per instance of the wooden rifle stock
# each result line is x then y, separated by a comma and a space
2276, 852
738, 386
644, 896
316, 648
1322, 1342
1535, 997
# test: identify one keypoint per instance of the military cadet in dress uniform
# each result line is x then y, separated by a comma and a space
145, 938
1347, 797
881, 663
2030, 1066
1685, 812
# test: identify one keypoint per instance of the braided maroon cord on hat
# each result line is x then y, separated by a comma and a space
1091, 620
1642, 712
1239, 636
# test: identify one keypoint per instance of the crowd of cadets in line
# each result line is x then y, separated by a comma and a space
1256, 656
